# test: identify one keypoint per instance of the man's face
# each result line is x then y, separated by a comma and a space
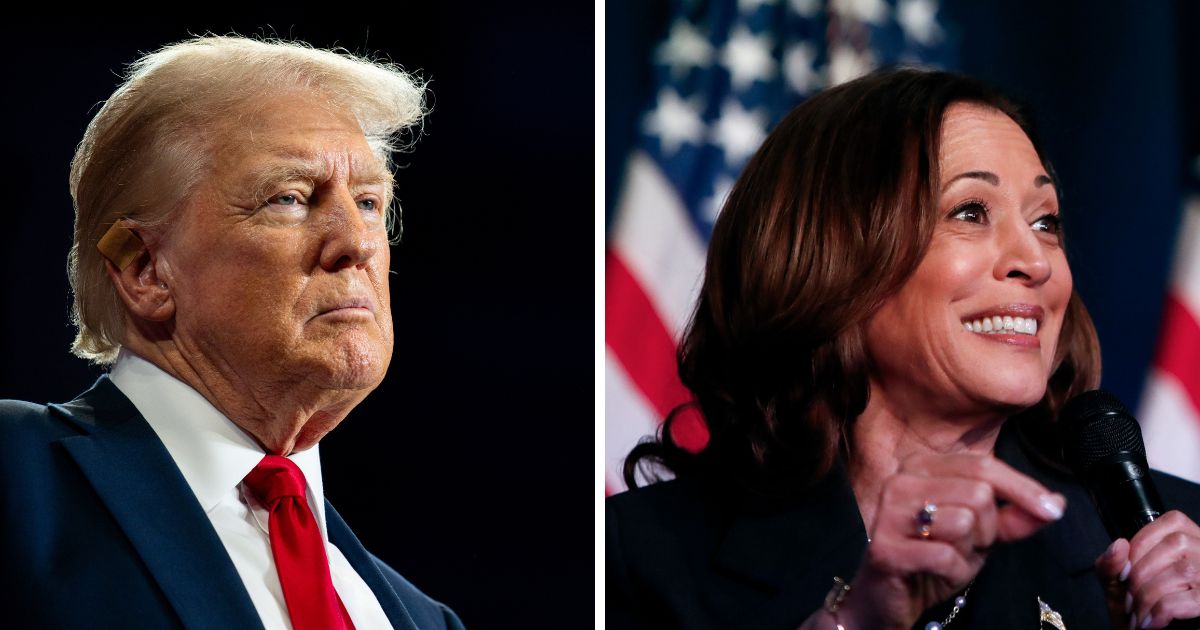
278, 263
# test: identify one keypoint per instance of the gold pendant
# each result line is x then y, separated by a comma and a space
1050, 616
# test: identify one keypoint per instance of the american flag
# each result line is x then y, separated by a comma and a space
725, 72
1170, 406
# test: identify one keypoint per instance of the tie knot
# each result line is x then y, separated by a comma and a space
275, 478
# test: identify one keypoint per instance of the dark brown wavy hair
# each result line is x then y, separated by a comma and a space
829, 218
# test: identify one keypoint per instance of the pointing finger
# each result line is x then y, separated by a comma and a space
1039, 503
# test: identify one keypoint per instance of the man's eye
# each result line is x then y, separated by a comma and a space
284, 200
971, 212
367, 204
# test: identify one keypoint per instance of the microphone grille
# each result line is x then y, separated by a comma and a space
1095, 425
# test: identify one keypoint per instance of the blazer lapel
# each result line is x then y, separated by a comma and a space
364, 564
1054, 565
795, 549
1079, 538
135, 477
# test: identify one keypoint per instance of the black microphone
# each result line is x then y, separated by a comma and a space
1102, 443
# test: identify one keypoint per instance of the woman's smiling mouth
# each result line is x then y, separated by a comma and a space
1015, 324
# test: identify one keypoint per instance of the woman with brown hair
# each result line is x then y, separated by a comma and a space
885, 335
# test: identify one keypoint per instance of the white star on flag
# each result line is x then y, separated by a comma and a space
713, 204
918, 18
748, 58
675, 121
847, 64
739, 132
805, 8
798, 67
684, 49
870, 11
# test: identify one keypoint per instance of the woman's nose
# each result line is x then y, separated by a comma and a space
1022, 254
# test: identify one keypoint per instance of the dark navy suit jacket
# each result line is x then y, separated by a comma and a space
100, 530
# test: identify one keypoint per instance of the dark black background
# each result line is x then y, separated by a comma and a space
468, 470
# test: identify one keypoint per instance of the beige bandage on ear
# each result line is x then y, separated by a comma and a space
120, 245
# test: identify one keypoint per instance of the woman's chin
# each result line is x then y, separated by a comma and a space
1015, 398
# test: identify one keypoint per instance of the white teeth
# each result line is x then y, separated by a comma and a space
1006, 324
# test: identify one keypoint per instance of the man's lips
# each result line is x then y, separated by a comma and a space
349, 306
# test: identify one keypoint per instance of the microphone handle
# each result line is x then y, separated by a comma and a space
1125, 494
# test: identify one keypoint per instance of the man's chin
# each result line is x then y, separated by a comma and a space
351, 366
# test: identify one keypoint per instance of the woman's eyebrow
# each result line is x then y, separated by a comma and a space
993, 179
986, 176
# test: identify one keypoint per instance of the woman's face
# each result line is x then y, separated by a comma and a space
974, 330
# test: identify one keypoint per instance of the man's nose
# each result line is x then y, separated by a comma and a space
351, 237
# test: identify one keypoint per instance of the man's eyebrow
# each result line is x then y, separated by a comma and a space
294, 167
263, 180
993, 179
369, 170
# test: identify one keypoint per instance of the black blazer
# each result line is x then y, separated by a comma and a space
98, 529
680, 555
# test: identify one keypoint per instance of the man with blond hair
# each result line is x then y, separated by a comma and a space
234, 211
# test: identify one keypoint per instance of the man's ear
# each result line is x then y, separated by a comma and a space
144, 293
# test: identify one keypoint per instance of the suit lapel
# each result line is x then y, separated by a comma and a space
132, 473
795, 549
1054, 565
1079, 538
364, 564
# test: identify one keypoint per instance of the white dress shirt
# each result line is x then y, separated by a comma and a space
214, 456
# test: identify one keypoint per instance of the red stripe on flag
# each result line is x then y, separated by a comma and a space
638, 337
1179, 348
645, 347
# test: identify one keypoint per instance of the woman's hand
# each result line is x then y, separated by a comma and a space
1154, 578
906, 572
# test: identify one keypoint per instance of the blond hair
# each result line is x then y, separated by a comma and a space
152, 142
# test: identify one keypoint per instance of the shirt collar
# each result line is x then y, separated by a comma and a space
212, 452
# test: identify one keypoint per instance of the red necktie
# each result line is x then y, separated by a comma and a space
297, 546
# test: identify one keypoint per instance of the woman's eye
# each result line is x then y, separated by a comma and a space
1050, 223
971, 212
